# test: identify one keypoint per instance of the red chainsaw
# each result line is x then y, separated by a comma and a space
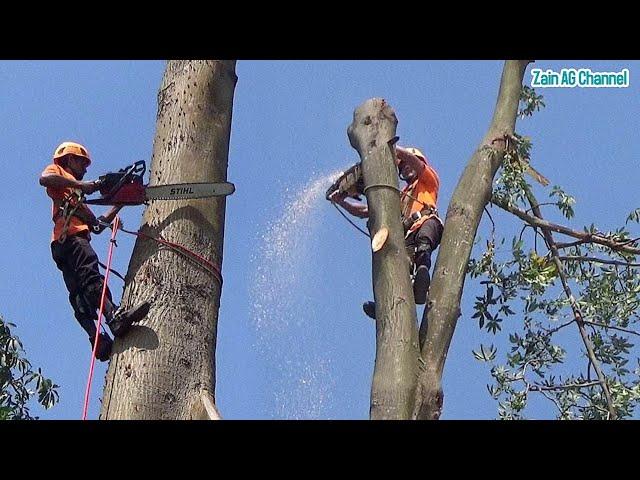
350, 182
126, 187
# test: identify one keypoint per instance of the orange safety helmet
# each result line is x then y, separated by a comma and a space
70, 148
413, 151
417, 153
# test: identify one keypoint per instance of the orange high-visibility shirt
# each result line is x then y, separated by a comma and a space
57, 195
420, 194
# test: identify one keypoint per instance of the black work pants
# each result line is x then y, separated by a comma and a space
79, 265
421, 243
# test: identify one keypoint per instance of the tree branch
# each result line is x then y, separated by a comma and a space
209, 406
593, 405
571, 244
546, 388
554, 330
493, 224
555, 402
612, 327
633, 240
599, 260
540, 205
585, 237
574, 305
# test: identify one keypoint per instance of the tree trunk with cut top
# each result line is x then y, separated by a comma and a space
372, 134
165, 367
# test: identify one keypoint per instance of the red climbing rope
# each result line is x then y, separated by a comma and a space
112, 242
209, 266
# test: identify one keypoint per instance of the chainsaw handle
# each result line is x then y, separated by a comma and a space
127, 174
350, 183
138, 168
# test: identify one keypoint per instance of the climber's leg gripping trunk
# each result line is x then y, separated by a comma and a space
79, 265
427, 239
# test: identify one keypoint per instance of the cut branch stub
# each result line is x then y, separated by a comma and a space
379, 239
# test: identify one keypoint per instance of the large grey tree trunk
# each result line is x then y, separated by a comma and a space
463, 217
165, 367
372, 134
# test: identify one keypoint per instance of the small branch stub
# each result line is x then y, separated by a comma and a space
210, 406
379, 239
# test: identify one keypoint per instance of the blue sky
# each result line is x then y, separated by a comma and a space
292, 339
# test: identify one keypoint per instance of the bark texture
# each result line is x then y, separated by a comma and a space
165, 367
372, 134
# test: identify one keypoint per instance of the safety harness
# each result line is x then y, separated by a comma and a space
411, 222
68, 208
73, 204
124, 187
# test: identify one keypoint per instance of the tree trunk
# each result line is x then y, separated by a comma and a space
165, 367
372, 134
463, 217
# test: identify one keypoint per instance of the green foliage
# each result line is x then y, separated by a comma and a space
527, 283
525, 300
485, 354
565, 202
634, 216
18, 381
511, 183
530, 102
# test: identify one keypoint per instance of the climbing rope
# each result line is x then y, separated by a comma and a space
209, 266
115, 272
348, 219
112, 243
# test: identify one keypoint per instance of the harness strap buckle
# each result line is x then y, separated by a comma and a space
71, 202
415, 216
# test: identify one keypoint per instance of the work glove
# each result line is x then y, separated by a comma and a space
89, 187
337, 196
